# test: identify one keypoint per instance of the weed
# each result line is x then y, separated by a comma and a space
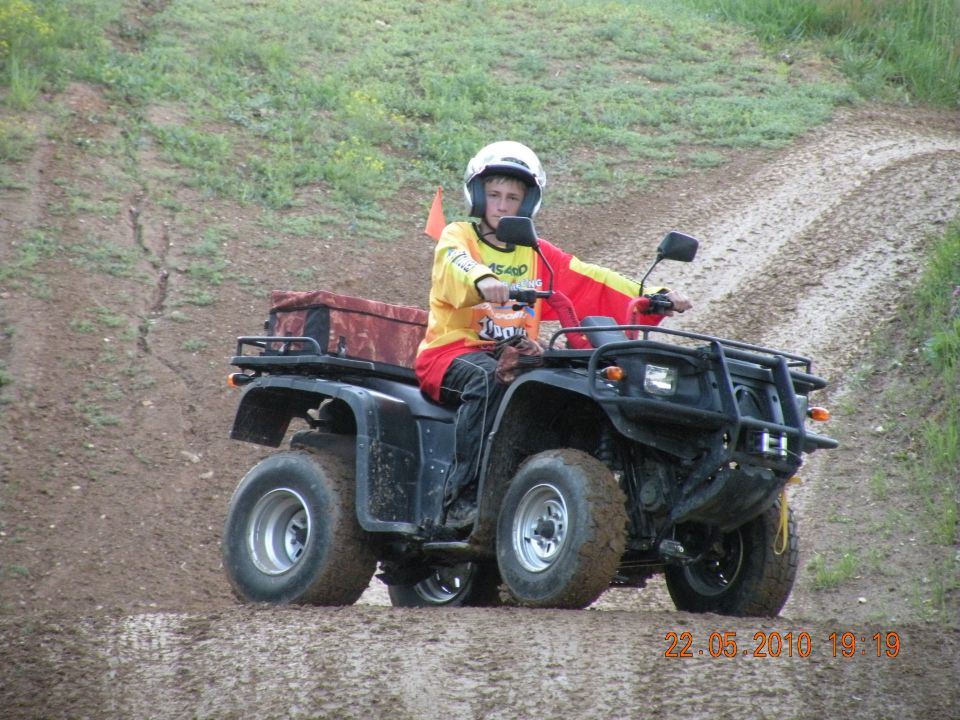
827, 575
95, 415
83, 326
105, 257
109, 319
138, 454
24, 38
193, 345
298, 226
17, 139
19, 570
707, 159
879, 486
303, 275
199, 297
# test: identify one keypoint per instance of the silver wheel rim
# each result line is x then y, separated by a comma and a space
446, 583
279, 531
540, 527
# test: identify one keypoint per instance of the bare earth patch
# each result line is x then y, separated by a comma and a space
115, 469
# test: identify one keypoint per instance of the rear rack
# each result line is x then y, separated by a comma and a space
313, 361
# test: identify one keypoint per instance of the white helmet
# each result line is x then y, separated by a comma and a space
504, 158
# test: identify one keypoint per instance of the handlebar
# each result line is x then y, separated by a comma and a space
528, 296
656, 304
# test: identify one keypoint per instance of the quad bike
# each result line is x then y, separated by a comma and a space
631, 450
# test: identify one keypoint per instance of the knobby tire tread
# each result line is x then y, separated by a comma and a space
353, 563
596, 560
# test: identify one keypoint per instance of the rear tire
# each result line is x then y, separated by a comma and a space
561, 530
464, 585
748, 578
292, 535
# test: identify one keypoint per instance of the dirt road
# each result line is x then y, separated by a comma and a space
116, 472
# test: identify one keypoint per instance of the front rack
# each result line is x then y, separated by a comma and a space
793, 360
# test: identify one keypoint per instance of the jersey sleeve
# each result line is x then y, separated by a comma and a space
593, 289
455, 272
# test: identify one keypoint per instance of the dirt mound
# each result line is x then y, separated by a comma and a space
116, 470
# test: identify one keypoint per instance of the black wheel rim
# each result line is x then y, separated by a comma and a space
719, 569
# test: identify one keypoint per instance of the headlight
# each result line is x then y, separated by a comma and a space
660, 380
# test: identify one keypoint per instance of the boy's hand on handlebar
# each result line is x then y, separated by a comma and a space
680, 301
492, 290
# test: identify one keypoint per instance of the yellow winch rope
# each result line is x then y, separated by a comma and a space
782, 540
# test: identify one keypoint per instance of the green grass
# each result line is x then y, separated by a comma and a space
275, 103
936, 330
279, 103
916, 482
909, 46
45, 43
105, 256
16, 140
828, 575
24, 267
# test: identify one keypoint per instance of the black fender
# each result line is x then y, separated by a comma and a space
395, 426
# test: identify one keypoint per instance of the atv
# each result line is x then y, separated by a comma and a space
630, 450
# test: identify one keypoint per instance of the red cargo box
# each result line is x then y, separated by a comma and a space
347, 326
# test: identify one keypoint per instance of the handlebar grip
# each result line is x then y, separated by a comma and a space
527, 296
656, 304
646, 310
660, 303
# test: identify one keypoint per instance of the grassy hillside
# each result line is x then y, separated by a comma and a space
284, 102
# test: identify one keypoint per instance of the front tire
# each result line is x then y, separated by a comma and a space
463, 585
745, 576
561, 530
292, 535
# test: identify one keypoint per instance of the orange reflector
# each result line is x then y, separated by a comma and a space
818, 413
613, 372
237, 379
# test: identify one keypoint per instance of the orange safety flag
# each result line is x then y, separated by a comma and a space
435, 221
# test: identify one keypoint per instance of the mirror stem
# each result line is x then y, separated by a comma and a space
536, 249
644, 280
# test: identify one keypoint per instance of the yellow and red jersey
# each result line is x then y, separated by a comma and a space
461, 321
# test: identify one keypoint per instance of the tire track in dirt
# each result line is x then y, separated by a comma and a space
493, 664
799, 251
849, 191
819, 291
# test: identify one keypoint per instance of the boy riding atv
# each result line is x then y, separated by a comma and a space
471, 314
623, 450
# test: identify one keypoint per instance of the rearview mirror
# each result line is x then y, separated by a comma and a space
515, 230
676, 246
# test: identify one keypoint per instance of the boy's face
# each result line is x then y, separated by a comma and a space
504, 196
